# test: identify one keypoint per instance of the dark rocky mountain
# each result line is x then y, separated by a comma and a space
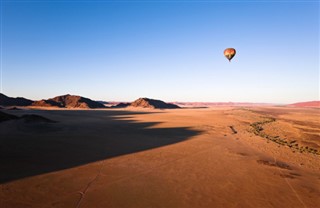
69, 101
121, 105
151, 103
9, 101
102, 102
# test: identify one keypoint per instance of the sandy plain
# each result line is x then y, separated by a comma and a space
204, 157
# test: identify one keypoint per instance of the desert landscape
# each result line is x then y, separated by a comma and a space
159, 104
137, 156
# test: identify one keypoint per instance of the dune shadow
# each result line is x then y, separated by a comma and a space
77, 138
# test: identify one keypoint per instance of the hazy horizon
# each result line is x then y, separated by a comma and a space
172, 51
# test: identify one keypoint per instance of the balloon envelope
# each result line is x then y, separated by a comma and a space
229, 53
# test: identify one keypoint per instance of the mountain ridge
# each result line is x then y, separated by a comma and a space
11, 101
69, 101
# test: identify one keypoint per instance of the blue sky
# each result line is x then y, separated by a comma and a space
168, 50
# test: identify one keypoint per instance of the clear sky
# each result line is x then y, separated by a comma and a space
168, 50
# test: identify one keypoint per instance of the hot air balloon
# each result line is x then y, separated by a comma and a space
229, 53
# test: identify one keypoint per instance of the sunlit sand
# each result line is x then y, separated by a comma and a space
210, 157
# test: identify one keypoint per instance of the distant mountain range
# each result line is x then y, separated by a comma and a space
75, 101
64, 101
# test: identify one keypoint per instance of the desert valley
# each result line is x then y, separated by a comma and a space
159, 104
71, 151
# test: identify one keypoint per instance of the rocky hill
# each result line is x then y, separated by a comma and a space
151, 103
9, 101
47, 103
69, 101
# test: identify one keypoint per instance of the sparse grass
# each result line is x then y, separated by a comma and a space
258, 130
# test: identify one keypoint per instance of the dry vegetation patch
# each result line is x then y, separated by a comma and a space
258, 129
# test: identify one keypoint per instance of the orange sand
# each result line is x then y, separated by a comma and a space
160, 158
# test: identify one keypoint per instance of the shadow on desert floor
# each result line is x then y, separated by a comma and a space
78, 138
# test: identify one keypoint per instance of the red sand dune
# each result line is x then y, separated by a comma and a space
314, 104
213, 104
